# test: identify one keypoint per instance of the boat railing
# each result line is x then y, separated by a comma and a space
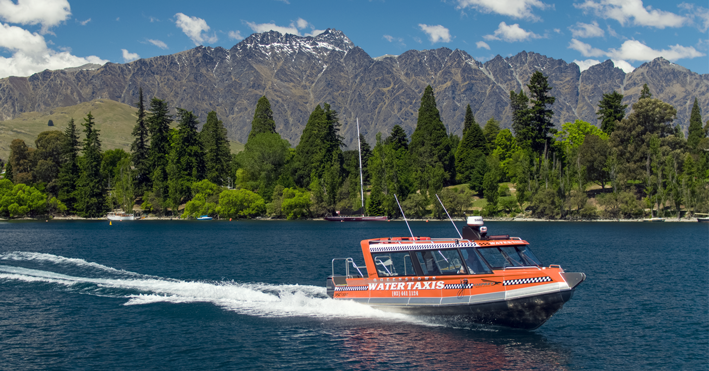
348, 262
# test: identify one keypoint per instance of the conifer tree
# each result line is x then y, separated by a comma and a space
540, 112
397, 139
263, 118
91, 190
645, 92
491, 129
139, 150
469, 119
519, 103
319, 144
430, 145
610, 111
472, 146
186, 159
695, 132
159, 127
217, 155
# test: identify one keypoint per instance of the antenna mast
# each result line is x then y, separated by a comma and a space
449, 216
361, 178
404, 215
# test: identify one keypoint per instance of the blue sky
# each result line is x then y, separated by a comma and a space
40, 34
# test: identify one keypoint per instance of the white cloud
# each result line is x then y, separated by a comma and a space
301, 23
83, 23
30, 54
585, 49
195, 28
314, 33
633, 50
511, 33
511, 8
584, 65
158, 43
623, 65
265, 27
625, 10
557, 30
128, 56
436, 33
48, 13
698, 15
153, 19
483, 45
236, 35
586, 30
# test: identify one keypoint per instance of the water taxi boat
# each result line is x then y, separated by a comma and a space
205, 217
478, 278
119, 215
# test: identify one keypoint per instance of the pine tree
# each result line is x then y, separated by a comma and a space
263, 118
695, 132
491, 129
318, 145
540, 113
91, 190
69, 172
186, 159
469, 119
430, 145
519, 103
645, 92
159, 126
471, 146
610, 111
397, 139
217, 155
140, 151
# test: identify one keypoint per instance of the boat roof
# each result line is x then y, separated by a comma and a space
394, 244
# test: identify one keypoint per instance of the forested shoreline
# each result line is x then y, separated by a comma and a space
633, 166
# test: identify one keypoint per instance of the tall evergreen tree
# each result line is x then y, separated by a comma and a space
139, 150
70, 171
469, 119
397, 139
519, 103
472, 146
491, 129
217, 154
540, 112
610, 111
319, 144
695, 132
159, 127
430, 145
91, 190
645, 92
186, 159
263, 118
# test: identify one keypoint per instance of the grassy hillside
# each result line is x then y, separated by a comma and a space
114, 120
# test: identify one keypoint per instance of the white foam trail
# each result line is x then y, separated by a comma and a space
42, 257
257, 299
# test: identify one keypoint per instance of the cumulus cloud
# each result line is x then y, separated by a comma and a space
511, 33
30, 53
482, 45
511, 8
588, 63
633, 50
624, 11
128, 56
293, 29
48, 13
698, 15
158, 43
236, 35
83, 23
584, 30
623, 65
436, 33
195, 28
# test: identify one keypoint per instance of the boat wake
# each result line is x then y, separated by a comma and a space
256, 299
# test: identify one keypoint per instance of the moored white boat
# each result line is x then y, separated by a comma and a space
119, 215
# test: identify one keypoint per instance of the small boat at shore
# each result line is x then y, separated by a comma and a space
205, 217
119, 215
654, 220
702, 218
477, 278
356, 218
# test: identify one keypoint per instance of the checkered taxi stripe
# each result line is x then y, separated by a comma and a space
524, 281
458, 286
393, 247
351, 288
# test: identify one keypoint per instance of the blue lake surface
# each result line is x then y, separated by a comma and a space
250, 295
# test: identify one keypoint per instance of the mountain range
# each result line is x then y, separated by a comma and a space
296, 73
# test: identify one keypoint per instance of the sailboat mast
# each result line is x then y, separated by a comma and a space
361, 179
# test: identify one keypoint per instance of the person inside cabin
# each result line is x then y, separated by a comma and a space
429, 263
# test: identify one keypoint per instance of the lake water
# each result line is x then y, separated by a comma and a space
250, 295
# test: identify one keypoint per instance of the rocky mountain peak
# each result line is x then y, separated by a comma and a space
267, 42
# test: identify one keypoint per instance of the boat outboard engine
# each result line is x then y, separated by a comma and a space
475, 230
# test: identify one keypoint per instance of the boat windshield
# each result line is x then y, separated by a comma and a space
393, 264
509, 256
474, 262
440, 262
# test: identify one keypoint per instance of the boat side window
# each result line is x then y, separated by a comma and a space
474, 262
494, 257
393, 264
440, 262
526, 253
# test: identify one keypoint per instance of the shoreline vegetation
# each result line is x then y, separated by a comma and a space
630, 167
